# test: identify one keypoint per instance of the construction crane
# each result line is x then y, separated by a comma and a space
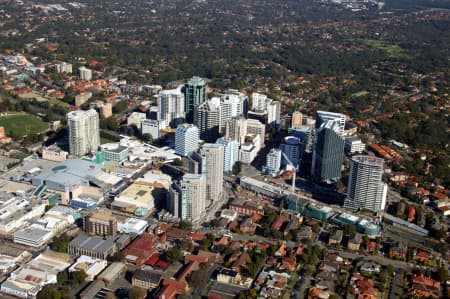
293, 177
294, 170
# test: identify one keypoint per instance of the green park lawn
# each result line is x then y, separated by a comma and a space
393, 50
21, 124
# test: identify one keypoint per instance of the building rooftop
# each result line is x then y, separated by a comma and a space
111, 271
98, 244
140, 193
369, 160
148, 276
34, 234
113, 147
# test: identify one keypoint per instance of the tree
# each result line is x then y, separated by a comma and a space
349, 229
137, 293
441, 274
61, 244
237, 168
78, 277
117, 257
49, 292
185, 225
173, 255
177, 162
62, 277
148, 138
196, 277
120, 107
109, 123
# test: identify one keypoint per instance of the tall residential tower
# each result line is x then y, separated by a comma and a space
366, 189
84, 132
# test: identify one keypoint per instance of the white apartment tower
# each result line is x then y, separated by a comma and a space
230, 153
171, 107
212, 168
84, 132
193, 197
85, 73
273, 113
63, 67
187, 137
366, 189
259, 101
233, 103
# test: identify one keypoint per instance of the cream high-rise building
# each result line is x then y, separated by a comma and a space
207, 119
236, 129
171, 107
256, 127
193, 197
212, 168
84, 132
297, 119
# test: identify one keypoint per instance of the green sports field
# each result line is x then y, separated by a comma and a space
20, 124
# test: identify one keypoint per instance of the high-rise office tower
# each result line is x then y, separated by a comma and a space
273, 162
230, 153
194, 94
212, 168
366, 189
236, 129
171, 107
328, 153
292, 147
193, 197
297, 119
187, 137
325, 116
207, 119
84, 132
256, 127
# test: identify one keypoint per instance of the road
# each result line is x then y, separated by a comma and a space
395, 280
206, 278
302, 286
350, 255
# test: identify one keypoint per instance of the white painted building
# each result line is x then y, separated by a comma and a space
170, 107
230, 153
187, 137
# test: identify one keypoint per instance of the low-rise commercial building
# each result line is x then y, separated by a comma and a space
114, 271
28, 280
114, 152
146, 279
91, 266
97, 247
133, 226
